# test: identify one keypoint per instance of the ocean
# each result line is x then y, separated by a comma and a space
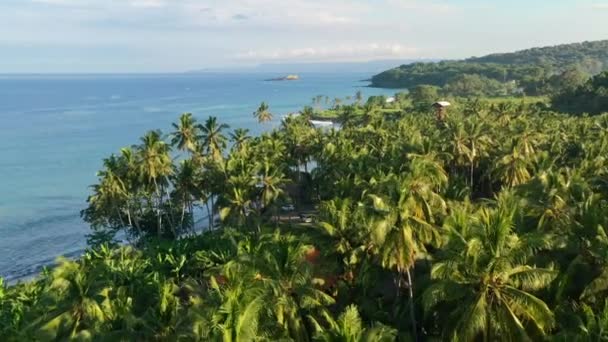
56, 129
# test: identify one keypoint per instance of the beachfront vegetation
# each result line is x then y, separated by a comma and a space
487, 226
533, 72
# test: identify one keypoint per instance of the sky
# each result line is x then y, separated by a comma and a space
41, 36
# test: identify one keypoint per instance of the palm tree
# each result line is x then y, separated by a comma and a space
371, 115
469, 143
300, 137
236, 200
163, 316
337, 102
308, 113
155, 159
359, 96
402, 220
349, 328
401, 239
212, 139
155, 167
339, 220
232, 312
74, 309
278, 263
239, 137
484, 284
185, 182
110, 195
512, 168
271, 182
348, 116
185, 136
262, 113
584, 325
118, 200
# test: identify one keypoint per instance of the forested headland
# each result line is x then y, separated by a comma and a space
533, 72
487, 225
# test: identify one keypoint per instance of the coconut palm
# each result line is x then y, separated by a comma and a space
212, 139
239, 137
155, 166
485, 285
73, 305
371, 115
185, 136
185, 181
155, 161
584, 325
231, 313
469, 143
513, 168
271, 182
339, 220
236, 201
263, 113
358, 96
307, 112
349, 328
472, 230
278, 263
348, 116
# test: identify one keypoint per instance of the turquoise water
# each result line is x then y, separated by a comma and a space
55, 130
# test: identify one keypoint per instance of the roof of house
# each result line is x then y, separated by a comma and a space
319, 123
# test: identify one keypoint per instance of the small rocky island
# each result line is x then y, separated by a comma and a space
284, 78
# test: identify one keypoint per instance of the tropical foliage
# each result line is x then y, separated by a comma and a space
489, 225
531, 72
587, 97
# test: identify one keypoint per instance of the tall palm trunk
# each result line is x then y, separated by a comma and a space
488, 330
209, 215
159, 218
471, 175
183, 215
191, 210
410, 286
133, 222
172, 223
212, 212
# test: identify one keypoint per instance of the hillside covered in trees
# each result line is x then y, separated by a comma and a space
590, 97
529, 72
489, 225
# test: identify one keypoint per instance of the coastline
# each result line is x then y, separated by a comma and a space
92, 117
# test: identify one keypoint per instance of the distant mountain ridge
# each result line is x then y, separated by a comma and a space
530, 67
558, 55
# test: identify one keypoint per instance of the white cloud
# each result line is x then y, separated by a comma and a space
428, 5
286, 13
56, 2
191, 34
148, 3
344, 52
260, 13
222, 13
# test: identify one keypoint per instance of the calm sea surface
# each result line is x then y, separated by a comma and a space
55, 130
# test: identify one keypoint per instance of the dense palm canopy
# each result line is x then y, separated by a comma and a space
488, 226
